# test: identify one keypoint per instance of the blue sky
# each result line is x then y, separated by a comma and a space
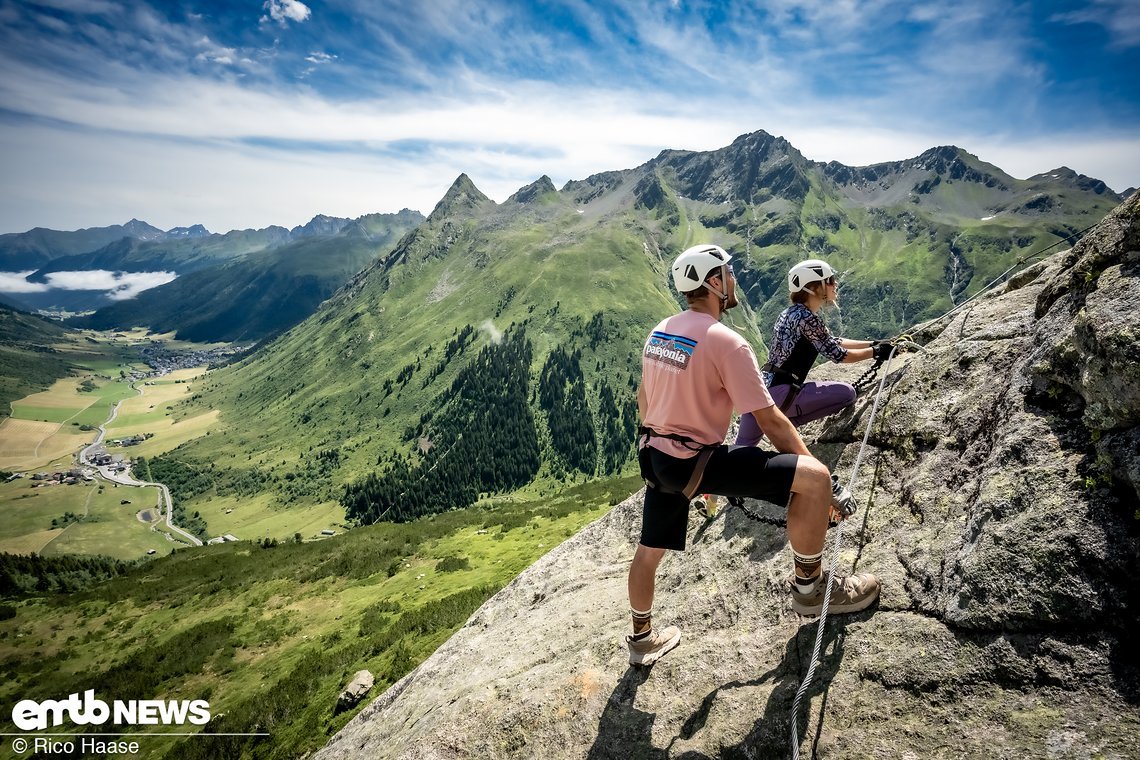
245, 114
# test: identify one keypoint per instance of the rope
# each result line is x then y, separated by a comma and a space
838, 540
868, 377
836, 543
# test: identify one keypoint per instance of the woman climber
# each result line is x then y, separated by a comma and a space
800, 337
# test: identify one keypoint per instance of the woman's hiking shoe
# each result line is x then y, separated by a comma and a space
653, 647
706, 505
848, 594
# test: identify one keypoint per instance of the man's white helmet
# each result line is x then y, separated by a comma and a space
693, 266
807, 272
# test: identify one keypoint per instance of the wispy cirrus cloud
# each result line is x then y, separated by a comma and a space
1121, 18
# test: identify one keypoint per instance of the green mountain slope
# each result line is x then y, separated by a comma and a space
29, 359
498, 343
262, 293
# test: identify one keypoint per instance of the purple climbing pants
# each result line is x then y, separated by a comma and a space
815, 400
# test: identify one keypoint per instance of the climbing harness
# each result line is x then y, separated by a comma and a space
704, 453
781, 376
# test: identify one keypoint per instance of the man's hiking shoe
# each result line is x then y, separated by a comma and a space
848, 594
653, 647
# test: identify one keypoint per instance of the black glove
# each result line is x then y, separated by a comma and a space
881, 350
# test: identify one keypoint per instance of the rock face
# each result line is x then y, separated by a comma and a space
999, 506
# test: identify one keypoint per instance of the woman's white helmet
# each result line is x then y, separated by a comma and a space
807, 272
692, 267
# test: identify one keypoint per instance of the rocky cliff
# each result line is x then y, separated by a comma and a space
999, 506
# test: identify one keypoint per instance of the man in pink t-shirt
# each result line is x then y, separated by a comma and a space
695, 372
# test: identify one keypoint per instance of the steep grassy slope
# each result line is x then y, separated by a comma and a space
270, 633
447, 293
35, 352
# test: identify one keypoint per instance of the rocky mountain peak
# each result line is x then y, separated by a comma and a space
462, 195
193, 231
998, 503
319, 225
141, 230
755, 164
534, 190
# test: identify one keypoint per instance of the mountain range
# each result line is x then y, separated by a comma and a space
243, 285
394, 375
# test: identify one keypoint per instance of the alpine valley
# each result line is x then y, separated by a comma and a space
453, 396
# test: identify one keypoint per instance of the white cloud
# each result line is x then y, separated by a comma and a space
283, 11
93, 7
119, 286
215, 53
14, 282
318, 57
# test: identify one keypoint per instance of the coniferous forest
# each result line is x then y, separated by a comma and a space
482, 440
562, 394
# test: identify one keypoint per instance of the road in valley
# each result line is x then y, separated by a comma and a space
126, 480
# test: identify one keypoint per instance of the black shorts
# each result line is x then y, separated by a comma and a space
746, 471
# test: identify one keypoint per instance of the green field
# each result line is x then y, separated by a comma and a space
111, 528
43, 434
26, 513
255, 517
64, 403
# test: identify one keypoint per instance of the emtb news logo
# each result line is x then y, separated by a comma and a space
29, 715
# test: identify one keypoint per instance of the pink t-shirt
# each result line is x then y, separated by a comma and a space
695, 371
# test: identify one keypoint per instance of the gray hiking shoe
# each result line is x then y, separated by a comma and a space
849, 593
653, 647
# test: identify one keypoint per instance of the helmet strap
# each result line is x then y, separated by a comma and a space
723, 296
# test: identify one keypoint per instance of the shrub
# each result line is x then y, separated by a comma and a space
452, 564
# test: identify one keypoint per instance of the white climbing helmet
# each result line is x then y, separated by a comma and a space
693, 266
807, 272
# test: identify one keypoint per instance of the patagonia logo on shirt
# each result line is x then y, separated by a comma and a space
673, 350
